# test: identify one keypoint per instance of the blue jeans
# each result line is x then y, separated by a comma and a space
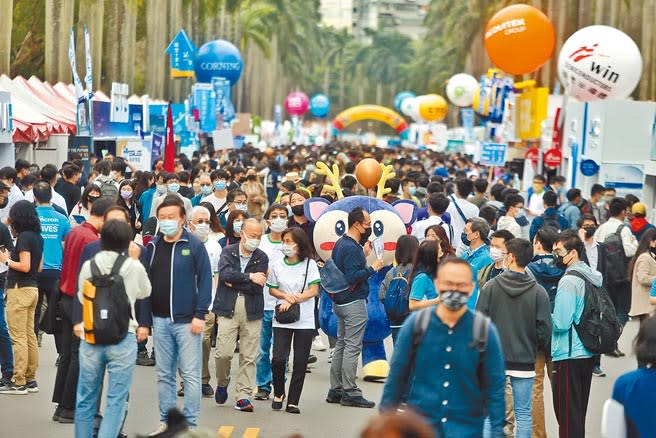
119, 361
522, 392
6, 352
263, 376
177, 348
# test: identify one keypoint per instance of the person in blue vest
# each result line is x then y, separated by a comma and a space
478, 251
54, 229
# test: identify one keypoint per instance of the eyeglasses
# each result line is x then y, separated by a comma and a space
203, 221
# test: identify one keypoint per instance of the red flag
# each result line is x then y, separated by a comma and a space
169, 149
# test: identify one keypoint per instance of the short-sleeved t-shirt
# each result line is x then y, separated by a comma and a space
423, 287
273, 250
290, 278
54, 229
33, 243
214, 252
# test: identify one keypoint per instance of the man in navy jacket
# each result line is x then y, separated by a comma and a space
181, 277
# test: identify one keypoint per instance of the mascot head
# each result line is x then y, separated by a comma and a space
388, 222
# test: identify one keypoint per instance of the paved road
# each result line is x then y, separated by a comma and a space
30, 416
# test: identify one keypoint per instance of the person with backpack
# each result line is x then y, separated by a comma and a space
551, 217
621, 245
520, 309
350, 257
570, 210
498, 252
394, 289
639, 222
578, 289
447, 363
108, 187
116, 282
461, 210
478, 251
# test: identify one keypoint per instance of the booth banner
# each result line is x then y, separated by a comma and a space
84, 116
134, 151
156, 147
103, 127
157, 118
624, 178
82, 146
467, 115
205, 103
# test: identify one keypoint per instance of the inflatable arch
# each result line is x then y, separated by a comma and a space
370, 112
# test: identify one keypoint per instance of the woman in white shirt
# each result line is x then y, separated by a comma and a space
293, 281
81, 211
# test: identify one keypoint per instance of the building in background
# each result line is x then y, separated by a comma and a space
337, 13
403, 16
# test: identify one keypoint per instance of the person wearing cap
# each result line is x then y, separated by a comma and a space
639, 223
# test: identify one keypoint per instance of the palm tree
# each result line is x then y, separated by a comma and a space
91, 13
6, 21
59, 20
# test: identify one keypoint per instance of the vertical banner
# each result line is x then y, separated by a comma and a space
156, 149
88, 76
82, 146
169, 148
205, 103
71, 57
119, 96
5, 117
467, 115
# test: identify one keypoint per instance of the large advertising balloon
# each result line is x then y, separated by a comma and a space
460, 89
519, 39
599, 62
370, 112
218, 58
432, 108
320, 105
400, 97
297, 103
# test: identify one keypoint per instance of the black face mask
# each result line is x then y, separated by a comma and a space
589, 231
651, 250
365, 236
559, 261
298, 210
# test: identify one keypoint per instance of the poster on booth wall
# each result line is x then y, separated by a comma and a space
624, 178
103, 127
135, 151
80, 145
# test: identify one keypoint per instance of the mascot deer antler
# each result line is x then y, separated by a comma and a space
388, 173
333, 177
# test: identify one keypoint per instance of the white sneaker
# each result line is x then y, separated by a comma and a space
160, 429
318, 344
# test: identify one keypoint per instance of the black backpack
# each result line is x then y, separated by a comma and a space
106, 309
598, 327
480, 333
616, 259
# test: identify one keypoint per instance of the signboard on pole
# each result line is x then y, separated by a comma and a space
494, 154
181, 50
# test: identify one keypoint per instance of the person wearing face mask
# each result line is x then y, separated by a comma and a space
81, 211
422, 278
219, 194
643, 273
181, 277
206, 189
461, 386
236, 200
199, 225
521, 311
239, 307
298, 219
409, 190
535, 193
172, 187
233, 228
293, 280
498, 252
514, 211
572, 362
276, 221
551, 217
597, 203
478, 252
126, 192
351, 259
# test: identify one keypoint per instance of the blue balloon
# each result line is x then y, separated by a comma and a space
218, 58
400, 97
319, 105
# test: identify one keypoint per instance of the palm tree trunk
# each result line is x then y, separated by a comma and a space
6, 20
59, 19
155, 45
91, 13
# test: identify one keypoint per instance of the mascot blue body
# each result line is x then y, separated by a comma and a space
388, 223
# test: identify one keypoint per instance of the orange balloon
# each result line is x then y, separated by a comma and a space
520, 39
368, 173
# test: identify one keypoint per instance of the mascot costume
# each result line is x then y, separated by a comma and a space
388, 223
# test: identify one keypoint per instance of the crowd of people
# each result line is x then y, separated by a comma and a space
496, 286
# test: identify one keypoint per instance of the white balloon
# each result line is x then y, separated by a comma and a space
406, 105
599, 62
414, 108
461, 88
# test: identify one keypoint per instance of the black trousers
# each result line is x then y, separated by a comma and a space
620, 295
68, 370
48, 282
282, 343
571, 390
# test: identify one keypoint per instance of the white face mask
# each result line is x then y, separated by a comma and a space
496, 254
241, 207
289, 250
201, 231
252, 244
278, 225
